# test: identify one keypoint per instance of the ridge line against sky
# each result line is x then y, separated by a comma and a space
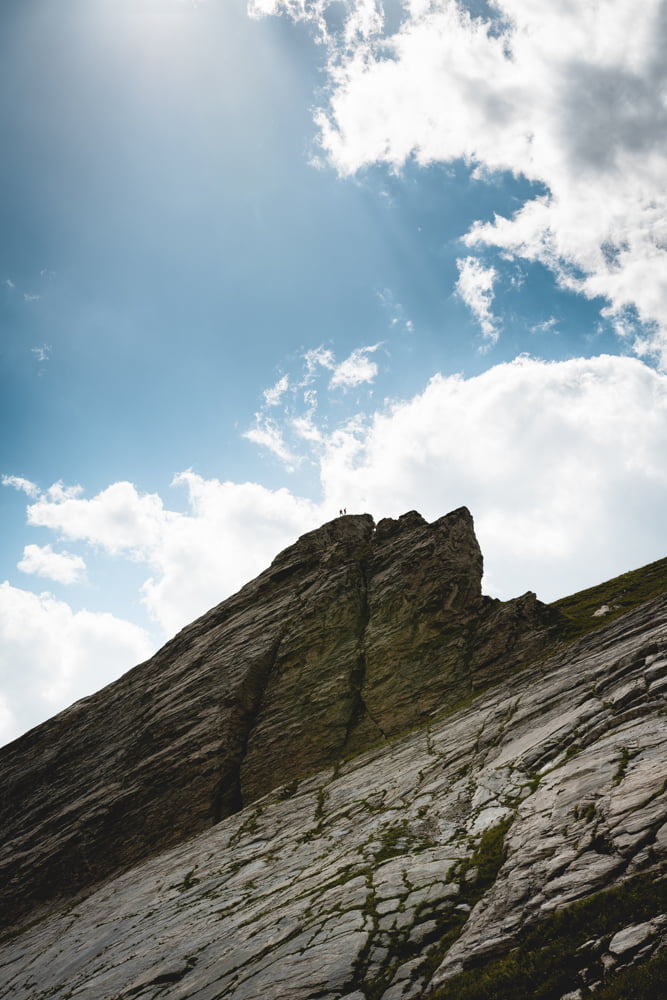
266, 261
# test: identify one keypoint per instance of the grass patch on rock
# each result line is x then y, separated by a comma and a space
619, 595
551, 955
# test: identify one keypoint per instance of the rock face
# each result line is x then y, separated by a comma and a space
352, 635
299, 809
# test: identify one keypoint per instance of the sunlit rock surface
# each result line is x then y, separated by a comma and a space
365, 861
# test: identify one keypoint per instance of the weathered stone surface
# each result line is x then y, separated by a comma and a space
352, 635
344, 885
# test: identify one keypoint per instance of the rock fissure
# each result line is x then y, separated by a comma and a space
228, 798
359, 709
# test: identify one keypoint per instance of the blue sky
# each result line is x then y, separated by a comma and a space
263, 260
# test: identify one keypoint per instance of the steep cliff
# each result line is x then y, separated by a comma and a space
352, 635
356, 778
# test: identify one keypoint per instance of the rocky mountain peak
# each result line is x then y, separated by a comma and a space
355, 633
355, 779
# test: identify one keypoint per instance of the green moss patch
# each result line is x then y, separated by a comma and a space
549, 956
620, 595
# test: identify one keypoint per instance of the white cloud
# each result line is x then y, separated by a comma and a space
546, 326
24, 485
285, 433
312, 11
562, 465
571, 96
119, 519
51, 656
318, 357
355, 370
31, 297
10, 727
267, 434
8, 283
231, 534
274, 395
475, 287
62, 567
306, 428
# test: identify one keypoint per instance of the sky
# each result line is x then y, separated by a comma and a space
260, 261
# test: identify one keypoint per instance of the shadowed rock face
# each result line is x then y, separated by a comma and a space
354, 634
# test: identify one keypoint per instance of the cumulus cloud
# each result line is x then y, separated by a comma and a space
475, 287
562, 465
51, 655
119, 519
62, 567
229, 534
571, 96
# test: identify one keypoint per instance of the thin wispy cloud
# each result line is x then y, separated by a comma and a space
475, 287
314, 360
267, 434
395, 311
24, 485
290, 416
275, 393
546, 326
42, 353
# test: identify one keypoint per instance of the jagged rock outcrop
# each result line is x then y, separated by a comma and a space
352, 635
357, 779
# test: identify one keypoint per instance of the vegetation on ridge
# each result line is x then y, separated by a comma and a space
619, 595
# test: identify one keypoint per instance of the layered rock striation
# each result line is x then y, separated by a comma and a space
356, 779
354, 634
522, 835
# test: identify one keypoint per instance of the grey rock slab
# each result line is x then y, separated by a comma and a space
404, 919
387, 906
421, 931
434, 893
630, 938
